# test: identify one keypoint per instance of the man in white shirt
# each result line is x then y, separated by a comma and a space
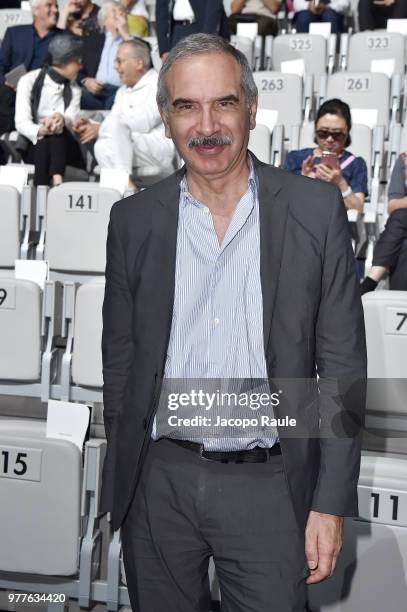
263, 12
325, 11
132, 135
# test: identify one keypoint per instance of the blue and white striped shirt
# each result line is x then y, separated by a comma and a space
217, 323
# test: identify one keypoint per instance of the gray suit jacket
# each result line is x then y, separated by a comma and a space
312, 319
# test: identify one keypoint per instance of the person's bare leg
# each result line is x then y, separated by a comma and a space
377, 273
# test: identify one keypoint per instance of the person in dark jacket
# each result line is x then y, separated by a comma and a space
176, 19
25, 45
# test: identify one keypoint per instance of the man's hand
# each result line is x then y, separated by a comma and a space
93, 86
323, 543
86, 130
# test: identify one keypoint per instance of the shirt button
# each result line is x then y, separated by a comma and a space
216, 321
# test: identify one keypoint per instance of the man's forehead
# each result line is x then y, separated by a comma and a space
212, 75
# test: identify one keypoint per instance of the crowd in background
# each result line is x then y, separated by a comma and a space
91, 58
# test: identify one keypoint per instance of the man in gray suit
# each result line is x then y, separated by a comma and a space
236, 273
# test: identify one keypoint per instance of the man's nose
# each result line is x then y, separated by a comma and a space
208, 122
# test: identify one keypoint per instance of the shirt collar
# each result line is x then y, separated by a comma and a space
187, 198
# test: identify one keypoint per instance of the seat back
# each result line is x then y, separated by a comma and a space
20, 329
9, 226
312, 48
386, 333
13, 17
76, 227
282, 93
87, 352
40, 492
362, 90
380, 533
246, 46
260, 143
378, 45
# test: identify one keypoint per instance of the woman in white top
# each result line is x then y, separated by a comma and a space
47, 102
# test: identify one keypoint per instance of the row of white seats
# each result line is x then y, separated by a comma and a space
32, 365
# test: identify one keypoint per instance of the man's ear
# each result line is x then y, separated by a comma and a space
252, 114
164, 117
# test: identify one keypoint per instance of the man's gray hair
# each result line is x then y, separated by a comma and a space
201, 44
34, 3
107, 4
140, 49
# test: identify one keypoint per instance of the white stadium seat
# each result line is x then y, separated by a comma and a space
312, 48
29, 322
49, 518
386, 336
81, 370
282, 93
14, 226
362, 90
371, 572
75, 222
13, 17
365, 47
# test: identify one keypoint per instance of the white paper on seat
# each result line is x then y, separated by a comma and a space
296, 66
268, 117
14, 176
248, 30
397, 25
323, 29
35, 271
365, 116
114, 179
67, 421
385, 66
25, 5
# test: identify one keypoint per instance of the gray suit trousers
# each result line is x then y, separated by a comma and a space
187, 509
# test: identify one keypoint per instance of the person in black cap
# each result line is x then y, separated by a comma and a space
48, 101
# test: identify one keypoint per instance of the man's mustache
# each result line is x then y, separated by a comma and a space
209, 141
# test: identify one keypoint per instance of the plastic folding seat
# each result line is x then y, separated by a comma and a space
14, 226
283, 93
371, 570
376, 45
246, 46
49, 519
81, 372
13, 17
72, 220
312, 48
386, 335
28, 324
260, 143
363, 90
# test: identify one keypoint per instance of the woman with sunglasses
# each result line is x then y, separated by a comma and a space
330, 161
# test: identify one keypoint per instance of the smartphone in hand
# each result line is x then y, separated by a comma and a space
329, 159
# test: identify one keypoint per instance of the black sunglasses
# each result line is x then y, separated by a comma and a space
325, 134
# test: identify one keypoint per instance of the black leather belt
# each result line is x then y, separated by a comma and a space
255, 455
